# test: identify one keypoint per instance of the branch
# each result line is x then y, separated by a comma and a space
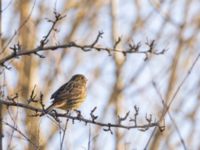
21, 133
79, 117
132, 49
20, 27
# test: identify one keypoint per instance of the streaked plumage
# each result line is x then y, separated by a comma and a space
70, 95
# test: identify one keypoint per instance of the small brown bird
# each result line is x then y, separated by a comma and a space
70, 95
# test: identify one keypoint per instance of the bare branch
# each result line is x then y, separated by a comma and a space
78, 117
85, 48
21, 133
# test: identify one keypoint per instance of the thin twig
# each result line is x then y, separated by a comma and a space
175, 94
89, 138
170, 116
20, 27
17, 130
63, 137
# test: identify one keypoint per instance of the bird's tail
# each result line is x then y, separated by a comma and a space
47, 110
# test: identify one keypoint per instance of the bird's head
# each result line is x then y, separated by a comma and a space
79, 77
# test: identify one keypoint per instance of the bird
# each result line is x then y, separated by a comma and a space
70, 95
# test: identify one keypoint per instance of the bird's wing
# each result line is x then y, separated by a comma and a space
58, 90
68, 91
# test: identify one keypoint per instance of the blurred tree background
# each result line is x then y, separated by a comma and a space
116, 83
